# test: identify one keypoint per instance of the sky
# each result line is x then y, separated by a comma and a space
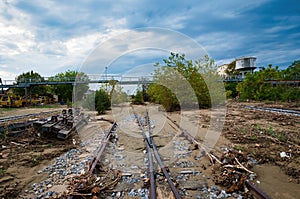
52, 36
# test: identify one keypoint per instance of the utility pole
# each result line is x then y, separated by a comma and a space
106, 78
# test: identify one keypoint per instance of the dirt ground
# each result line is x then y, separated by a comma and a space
260, 135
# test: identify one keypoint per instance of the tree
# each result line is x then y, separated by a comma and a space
260, 86
230, 70
293, 71
182, 82
102, 101
65, 91
231, 89
138, 98
33, 90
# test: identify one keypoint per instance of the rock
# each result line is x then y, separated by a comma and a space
187, 172
118, 195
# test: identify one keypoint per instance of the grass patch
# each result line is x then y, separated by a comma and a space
2, 171
46, 106
252, 137
8, 109
239, 148
36, 160
49, 145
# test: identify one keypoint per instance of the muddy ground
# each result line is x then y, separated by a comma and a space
260, 135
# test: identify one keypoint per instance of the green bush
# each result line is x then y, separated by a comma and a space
182, 83
260, 85
138, 98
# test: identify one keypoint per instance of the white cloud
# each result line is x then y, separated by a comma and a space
276, 29
4, 75
53, 36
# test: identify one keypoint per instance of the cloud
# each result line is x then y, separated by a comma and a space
53, 36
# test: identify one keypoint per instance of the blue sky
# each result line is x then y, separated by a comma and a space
53, 36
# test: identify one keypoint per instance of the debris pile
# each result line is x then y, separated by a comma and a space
230, 172
91, 185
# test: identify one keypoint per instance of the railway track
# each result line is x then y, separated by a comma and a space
154, 160
274, 110
99, 151
26, 116
152, 151
257, 193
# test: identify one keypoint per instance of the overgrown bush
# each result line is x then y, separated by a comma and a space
182, 83
271, 84
138, 98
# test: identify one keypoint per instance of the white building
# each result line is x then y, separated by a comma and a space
221, 70
243, 65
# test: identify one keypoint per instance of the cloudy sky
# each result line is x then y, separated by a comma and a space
50, 36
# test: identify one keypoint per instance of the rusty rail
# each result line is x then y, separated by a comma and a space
150, 158
256, 191
101, 148
19, 117
151, 145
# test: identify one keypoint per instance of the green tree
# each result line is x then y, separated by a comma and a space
138, 97
180, 82
293, 71
35, 89
231, 89
230, 70
102, 101
263, 85
65, 91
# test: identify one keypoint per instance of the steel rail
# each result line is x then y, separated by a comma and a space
151, 172
257, 192
150, 144
150, 159
274, 110
17, 117
164, 170
101, 148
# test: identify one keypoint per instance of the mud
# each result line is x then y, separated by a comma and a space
263, 136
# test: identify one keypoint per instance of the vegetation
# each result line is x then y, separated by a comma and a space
231, 89
102, 99
230, 70
65, 91
138, 98
98, 101
258, 86
182, 83
30, 77
2, 171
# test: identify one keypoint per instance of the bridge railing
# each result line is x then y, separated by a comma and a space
93, 78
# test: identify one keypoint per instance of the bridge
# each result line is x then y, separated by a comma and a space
90, 79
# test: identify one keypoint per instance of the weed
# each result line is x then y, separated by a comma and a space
258, 127
2, 171
270, 131
238, 148
49, 145
282, 137
36, 160
252, 137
